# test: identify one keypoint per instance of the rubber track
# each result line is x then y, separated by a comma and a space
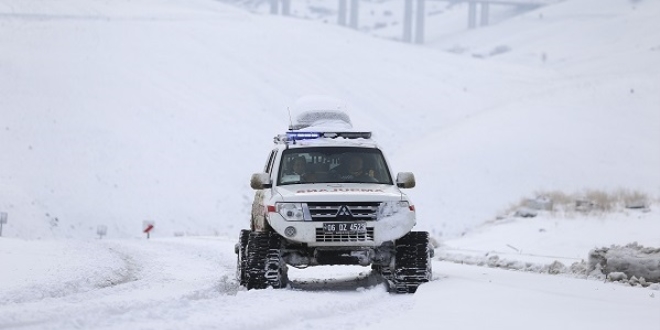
264, 263
412, 263
242, 257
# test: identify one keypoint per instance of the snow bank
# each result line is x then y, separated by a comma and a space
632, 263
53, 269
492, 260
545, 240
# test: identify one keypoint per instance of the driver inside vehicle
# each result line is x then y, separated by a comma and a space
355, 170
299, 170
299, 166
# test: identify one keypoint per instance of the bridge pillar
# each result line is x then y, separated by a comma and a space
421, 14
418, 12
341, 19
484, 13
354, 14
274, 7
351, 11
407, 21
472, 14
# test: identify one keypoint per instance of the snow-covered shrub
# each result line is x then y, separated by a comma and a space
634, 199
525, 212
586, 202
554, 268
599, 200
501, 49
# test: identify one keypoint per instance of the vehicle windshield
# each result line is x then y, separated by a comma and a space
333, 165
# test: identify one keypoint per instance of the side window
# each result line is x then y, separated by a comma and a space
271, 160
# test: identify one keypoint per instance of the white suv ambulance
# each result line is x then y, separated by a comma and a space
327, 196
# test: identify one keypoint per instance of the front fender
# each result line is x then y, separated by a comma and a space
259, 211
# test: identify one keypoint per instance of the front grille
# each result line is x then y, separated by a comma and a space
324, 237
343, 211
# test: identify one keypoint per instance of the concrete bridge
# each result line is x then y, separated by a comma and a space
414, 13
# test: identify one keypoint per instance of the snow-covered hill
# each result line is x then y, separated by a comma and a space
116, 113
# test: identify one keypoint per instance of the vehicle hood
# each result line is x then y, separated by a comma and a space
335, 192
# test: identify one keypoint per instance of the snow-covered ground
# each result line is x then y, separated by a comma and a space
113, 113
187, 282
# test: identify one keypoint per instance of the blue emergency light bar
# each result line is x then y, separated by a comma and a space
296, 136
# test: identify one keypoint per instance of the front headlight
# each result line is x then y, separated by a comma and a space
388, 209
293, 211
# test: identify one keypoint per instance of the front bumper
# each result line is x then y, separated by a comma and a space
311, 232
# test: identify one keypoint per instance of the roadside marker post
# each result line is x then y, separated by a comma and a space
147, 227
101, 230
3, 220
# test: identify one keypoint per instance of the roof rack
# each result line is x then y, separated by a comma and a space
320, 117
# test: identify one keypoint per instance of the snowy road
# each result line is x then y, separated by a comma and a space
179, 283
114, 112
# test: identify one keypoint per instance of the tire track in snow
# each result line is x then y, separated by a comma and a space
72, 267
189, 283
150, 275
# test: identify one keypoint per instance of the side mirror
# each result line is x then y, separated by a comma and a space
405, 180
260, 181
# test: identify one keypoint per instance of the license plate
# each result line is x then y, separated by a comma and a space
350, 228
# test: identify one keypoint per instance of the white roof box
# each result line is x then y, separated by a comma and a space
322, 113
